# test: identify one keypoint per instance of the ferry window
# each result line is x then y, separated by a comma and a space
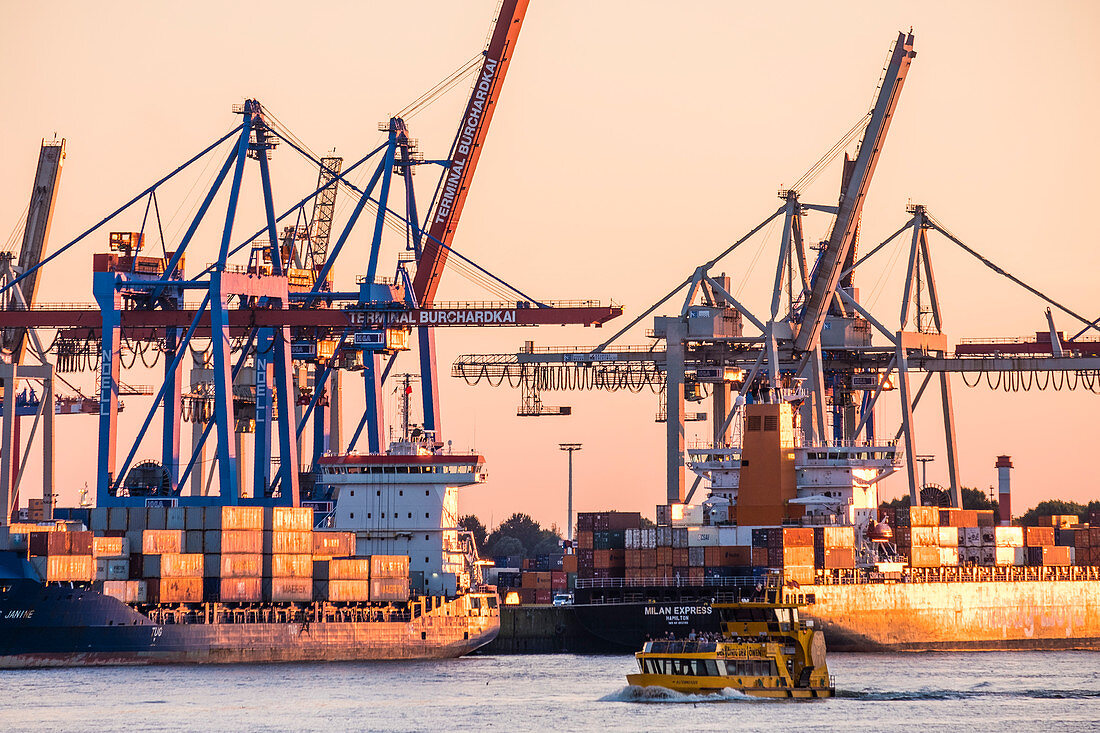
711, 667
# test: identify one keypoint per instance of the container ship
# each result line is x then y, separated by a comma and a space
379, 571
929, 578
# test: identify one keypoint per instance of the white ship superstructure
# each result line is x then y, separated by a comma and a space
405, 502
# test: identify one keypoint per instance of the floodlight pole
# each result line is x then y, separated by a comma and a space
571, 448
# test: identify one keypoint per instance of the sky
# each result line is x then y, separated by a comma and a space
632, 141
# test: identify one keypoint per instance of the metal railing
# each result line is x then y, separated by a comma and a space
743, 581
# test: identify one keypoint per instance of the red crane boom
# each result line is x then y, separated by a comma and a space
466, 150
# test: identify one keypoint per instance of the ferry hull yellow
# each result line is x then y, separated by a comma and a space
713, 685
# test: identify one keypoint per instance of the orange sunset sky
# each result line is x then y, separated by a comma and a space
633, 141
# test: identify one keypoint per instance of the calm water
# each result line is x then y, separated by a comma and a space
996, 691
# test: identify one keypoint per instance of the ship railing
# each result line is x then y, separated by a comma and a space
962, 574
665, 582
680, 647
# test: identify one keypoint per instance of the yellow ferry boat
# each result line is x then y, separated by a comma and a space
764, 651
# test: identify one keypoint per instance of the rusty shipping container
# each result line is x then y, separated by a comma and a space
1038, 536
110, 547
240, 565
288, 519
397, 589
161, 541
65, 568
240, 589
173, 565
288, 566
333, 544
237, 517
349, 568
288, 589
175, 590
288, 543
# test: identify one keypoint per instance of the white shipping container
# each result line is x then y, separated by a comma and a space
127, 591
949, 537
949, 556
109, 568
702, 537
630, 537
649, 539
730, 536
1004, 555
1009, 537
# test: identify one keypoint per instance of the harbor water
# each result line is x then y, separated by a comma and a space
991, 691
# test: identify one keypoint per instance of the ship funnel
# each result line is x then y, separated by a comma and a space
1004, 489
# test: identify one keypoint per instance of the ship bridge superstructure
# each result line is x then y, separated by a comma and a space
405, 502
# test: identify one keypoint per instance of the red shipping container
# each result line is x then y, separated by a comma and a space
664, 556
840, 557
680, 557
696, 575
760, 557
557, 580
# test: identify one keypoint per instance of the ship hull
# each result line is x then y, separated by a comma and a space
54, 626
963, 616
958, 616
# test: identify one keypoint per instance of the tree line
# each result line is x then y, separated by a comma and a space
519, 534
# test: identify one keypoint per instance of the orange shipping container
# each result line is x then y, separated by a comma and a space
288, 566
664, 556
241, 566
840, 557
923, 536
735, 556
290, 519
924, 557
389, 566
681, 557
173, 565
1038, 536
349, 568
175, 590
396, 589
569, 564
161, 541
349, 591
333, 544
65, 568
288, 589
240, 590
289, 543
798, 537
110, 547
798, 557
235, 541
242, 517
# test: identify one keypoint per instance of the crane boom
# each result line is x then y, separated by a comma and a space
455, 183
844, 231
36, 234
323, 208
